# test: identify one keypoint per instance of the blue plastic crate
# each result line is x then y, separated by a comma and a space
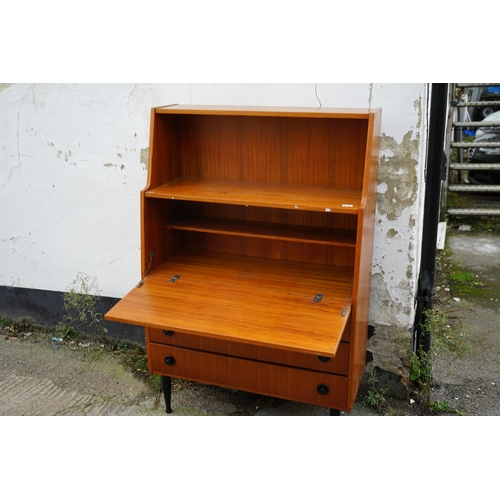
494, 90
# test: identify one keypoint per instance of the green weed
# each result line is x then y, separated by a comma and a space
440, 406
79, 304
486, 223
461, 281
448, 338
457, 201
375, 396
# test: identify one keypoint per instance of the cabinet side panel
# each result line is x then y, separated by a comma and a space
163, 166
157, 243
363, 264
164, 160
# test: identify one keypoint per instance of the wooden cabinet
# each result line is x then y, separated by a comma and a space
256, 246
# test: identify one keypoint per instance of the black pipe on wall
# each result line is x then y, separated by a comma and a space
435, 172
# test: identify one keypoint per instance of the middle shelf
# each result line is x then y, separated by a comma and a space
263, 230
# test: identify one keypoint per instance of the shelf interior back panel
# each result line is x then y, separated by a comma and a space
288, 305
292, 150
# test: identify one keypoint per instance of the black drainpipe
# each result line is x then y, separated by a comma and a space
435, 173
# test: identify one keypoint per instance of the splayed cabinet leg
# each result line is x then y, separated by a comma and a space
166, 383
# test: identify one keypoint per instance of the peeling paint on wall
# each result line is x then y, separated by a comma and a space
396, 244
4, 86
395, 266
390, 353
145, 157
61, 153
398, 175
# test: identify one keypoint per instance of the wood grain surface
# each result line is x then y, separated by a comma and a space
253, 376
255, 301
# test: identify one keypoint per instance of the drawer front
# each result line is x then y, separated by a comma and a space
339, 364
317, 388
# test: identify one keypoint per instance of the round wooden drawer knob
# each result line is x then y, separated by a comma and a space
170, 361
323, 389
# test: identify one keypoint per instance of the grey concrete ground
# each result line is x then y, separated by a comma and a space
36, 379
472, 384
41, 377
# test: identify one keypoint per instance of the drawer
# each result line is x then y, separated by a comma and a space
306, 386
339, 364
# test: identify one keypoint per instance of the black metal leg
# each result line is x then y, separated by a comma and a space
334, 413
166, 383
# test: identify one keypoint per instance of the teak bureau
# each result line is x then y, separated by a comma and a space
256, 249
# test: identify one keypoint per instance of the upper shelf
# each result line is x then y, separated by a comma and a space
260, 194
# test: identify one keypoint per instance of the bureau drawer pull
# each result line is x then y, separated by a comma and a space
324, 359
170, 361
323, 389
168, 333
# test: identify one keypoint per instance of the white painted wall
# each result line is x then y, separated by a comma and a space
73, 160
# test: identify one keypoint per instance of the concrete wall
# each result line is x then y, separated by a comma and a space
73, 159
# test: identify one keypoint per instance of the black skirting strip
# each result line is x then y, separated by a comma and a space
45, 308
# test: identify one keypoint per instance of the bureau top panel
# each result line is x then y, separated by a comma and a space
306, 112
